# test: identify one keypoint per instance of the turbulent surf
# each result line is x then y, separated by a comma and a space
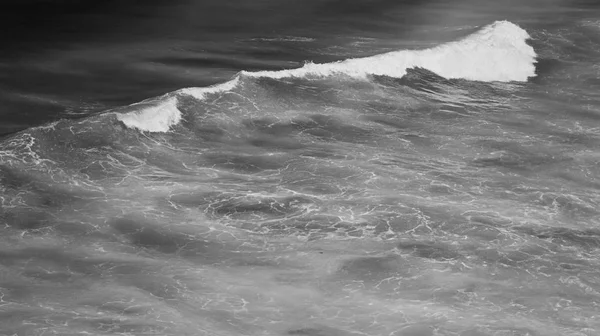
412, 192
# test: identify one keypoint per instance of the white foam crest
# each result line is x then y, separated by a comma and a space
154, 118
497, 52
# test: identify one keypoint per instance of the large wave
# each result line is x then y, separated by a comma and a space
496, 53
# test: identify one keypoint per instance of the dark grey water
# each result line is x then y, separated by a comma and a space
448, 191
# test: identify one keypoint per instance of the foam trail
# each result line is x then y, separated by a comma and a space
498, 52
200, 93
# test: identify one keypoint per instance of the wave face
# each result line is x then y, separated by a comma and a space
497, 52
429, 192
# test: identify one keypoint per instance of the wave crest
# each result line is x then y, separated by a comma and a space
497, 52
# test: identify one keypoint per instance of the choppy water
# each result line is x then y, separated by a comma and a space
358, 168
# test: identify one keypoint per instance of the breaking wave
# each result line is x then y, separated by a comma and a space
496, 53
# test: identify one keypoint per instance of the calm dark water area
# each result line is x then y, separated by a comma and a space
308, 168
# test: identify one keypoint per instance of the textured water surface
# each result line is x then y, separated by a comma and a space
451, 190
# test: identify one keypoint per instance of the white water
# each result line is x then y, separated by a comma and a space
497, 52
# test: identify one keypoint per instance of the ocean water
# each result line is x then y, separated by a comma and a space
314, 168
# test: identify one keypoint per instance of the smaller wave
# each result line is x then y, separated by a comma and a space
160, 116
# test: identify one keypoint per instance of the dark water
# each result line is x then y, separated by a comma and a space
453, 190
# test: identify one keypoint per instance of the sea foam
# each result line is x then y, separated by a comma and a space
496, 53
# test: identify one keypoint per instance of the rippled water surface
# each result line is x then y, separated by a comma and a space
334, 182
